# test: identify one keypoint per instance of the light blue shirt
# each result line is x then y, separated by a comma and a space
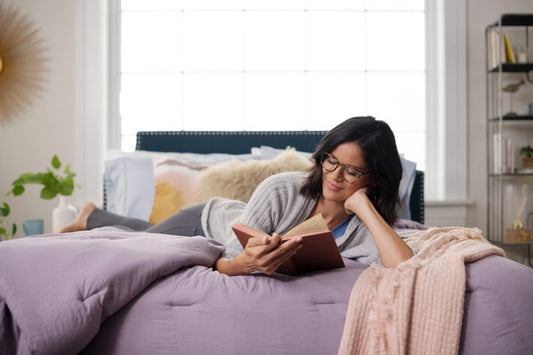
339, 230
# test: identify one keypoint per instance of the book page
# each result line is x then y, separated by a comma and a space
314, 224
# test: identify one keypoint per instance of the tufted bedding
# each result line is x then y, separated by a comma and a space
112, 292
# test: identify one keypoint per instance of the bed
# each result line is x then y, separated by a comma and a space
109, 291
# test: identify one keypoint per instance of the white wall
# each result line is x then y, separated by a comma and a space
48, 126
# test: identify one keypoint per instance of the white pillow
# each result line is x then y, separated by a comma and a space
406, 187
127, 182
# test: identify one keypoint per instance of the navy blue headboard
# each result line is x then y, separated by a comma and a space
230, 142
240, 142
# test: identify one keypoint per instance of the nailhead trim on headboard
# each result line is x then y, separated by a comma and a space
222, 143
141, 134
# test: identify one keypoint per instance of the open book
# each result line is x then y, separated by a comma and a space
319, 250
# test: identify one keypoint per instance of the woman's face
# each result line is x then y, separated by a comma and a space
334, 185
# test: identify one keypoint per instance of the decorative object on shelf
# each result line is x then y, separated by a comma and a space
521, 54
22, 62
527, 156
6, 231
511, 89
518, 233
509, 53
55, 182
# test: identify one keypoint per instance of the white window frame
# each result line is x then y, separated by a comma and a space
91, 97
446, 117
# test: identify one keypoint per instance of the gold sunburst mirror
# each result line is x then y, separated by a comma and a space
22, 62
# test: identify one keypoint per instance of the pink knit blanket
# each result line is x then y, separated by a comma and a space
417, 307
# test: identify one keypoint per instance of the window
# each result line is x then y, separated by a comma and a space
272, 65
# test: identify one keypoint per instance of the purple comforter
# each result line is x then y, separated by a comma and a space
109, 292
56, 290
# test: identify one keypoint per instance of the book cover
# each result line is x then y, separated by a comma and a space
319, 250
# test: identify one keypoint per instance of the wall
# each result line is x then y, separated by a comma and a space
47, 126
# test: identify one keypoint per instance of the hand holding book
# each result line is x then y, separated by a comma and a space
319, 250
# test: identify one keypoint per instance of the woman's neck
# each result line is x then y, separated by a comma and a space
333, 213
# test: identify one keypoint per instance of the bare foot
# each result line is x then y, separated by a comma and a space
80, 222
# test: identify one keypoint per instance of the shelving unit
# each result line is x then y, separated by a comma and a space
510, 127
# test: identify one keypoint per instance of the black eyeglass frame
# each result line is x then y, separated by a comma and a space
329, 156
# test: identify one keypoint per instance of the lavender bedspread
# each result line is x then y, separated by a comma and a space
56, 290
109, 292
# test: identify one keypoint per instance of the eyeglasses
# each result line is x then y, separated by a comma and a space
349, 173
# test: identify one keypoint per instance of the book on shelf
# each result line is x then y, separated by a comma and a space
496, 51
497, 153
319, 250
504, 155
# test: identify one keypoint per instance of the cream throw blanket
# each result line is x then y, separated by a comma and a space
416, 308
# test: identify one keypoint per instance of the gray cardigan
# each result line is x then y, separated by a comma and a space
277, 206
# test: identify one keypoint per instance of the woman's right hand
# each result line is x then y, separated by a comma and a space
264, 254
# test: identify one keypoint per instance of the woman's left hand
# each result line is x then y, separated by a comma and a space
356, 200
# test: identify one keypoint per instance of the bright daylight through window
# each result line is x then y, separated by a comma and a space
273, 65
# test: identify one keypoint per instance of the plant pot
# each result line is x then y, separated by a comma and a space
527, 162
63, 214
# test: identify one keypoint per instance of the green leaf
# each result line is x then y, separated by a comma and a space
67, 187
3, 231
48, 193
55, 162
48, 178
18, 190
5, 209
13, 229
28, 178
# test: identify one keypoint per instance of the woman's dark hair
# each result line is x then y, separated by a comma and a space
377, 142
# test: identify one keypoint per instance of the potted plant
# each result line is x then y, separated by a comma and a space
527, 156
6, 231
54, 182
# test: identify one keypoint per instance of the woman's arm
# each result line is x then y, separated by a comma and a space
265, 254
392, 249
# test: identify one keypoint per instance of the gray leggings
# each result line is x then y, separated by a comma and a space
185, 222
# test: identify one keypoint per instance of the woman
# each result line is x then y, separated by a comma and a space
353, 184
